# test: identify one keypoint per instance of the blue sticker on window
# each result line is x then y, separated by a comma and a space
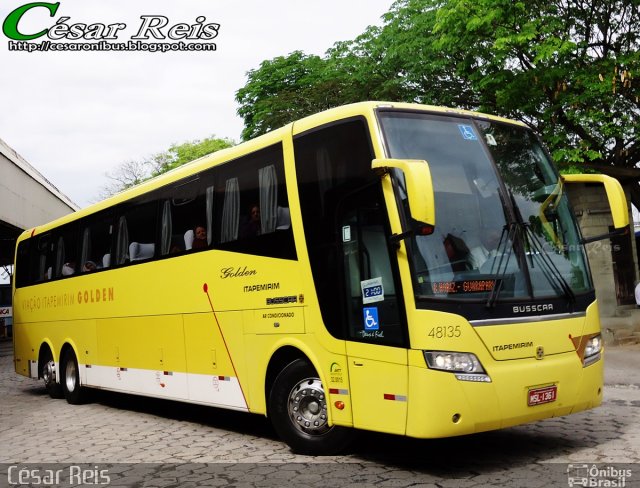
372, 291
371, 318
467, 132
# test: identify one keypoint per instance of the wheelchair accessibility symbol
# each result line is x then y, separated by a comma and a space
371, 318
467, 132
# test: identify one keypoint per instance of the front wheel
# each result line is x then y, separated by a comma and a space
298, 412
70, 378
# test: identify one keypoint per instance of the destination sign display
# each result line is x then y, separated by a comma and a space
465, 286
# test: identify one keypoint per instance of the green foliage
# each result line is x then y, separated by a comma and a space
131, 173
279, 91
567, 68
179, 154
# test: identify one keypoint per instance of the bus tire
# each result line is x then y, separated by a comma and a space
48, 374
298, 411
70, 378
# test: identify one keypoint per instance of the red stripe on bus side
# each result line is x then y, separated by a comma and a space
205, 288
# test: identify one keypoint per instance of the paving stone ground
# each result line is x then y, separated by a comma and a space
148, 442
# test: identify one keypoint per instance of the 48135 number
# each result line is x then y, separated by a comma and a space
445, 332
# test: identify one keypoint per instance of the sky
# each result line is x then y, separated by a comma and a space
75, 116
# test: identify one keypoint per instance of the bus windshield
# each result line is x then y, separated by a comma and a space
504, 228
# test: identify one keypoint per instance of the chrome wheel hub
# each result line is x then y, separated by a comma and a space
49, 373
307, 407
70, 376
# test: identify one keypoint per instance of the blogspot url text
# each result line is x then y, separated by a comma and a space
153, 47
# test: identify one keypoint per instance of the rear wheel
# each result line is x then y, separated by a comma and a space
70, 378
298, 411
48, 374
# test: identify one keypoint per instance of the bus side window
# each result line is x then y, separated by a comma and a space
66, 252
24, 277
95, 250
188, 211
252, 213
43, 260
137, 232
330, 161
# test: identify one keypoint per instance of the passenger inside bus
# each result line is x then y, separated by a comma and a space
485, 250
457, 252
195, 239
252, 225
200, 239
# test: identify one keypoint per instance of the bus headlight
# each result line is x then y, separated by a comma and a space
465, 365
593, 350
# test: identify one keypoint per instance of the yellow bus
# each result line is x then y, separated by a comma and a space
391, 267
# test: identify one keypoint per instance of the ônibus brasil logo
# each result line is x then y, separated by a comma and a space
86, 36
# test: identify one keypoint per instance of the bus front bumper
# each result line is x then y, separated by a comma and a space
440, 405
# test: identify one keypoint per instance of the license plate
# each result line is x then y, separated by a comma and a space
539, 396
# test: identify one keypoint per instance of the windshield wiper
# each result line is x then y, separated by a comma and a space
552, 272
509, 230
535, 246
531, 242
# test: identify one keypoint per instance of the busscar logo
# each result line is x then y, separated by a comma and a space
541, 307
97, 36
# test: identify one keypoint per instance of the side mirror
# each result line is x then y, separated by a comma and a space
419, 186
616, 197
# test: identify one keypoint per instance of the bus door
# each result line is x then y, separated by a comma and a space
376, 330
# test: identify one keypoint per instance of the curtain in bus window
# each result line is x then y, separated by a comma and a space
230, 211
167, 227
210, 193
41, 267
44, 258
86, 245
122, 245
59, 256
268, 181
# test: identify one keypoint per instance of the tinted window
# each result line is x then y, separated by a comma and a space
331, 163
251, 208
42, 261
95, 250
240, 206
187, 216
66, 257
137, 229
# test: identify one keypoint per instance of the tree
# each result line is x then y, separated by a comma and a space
179, 154
131, 173
125, 175
566, 67
279, 91
287, 88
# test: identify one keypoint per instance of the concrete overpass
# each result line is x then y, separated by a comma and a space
27, 199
